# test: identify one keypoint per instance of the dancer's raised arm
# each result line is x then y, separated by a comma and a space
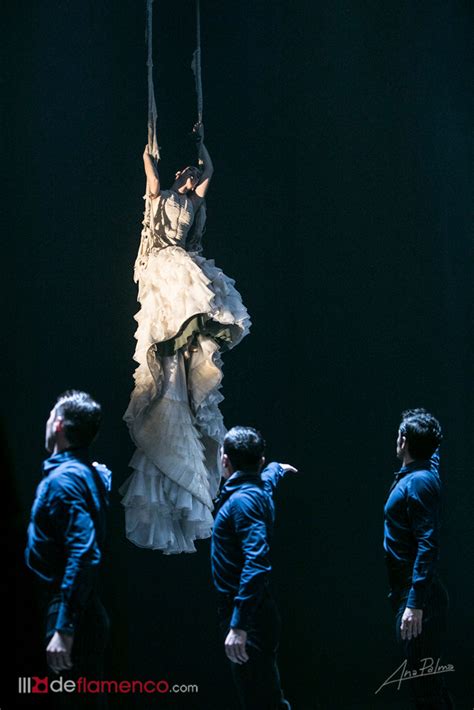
151, 173
205, 161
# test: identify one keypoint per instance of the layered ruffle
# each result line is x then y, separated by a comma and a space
160, 514
227, 307
173, 416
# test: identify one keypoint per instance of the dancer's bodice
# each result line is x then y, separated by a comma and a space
173, 217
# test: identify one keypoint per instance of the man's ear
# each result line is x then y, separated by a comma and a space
225, 460
58, 425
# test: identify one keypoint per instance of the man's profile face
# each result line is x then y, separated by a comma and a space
401, 445
226, 473
50, 435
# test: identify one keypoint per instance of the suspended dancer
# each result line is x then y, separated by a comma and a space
190, 313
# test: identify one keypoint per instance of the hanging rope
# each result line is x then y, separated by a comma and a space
148, 220
152, 115
194, 243
196, 63
148, 217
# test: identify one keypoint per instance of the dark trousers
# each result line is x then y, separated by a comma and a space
258, 680
429, 690
90, 640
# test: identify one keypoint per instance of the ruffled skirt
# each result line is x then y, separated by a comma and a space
173, 415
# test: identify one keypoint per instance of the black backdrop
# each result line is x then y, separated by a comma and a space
340, 133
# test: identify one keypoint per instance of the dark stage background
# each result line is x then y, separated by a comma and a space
341, 136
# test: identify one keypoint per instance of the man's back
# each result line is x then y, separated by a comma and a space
71, 499
241, 538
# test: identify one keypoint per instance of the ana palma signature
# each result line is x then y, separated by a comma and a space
427, 667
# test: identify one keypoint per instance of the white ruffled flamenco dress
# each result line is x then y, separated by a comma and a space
173, 415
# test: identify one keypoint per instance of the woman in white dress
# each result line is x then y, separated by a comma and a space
190, 311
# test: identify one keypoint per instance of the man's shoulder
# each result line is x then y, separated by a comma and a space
249, 497
71, 476
423, 480
424, 474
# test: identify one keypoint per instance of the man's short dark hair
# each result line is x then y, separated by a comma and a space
81, 417
422, 432
245, 447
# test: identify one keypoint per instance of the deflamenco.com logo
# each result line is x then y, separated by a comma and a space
84, 686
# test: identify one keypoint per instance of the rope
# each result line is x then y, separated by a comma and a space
194, 244
152, 114
196, 63
148, 217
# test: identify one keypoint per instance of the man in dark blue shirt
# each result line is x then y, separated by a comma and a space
66, 537
240, 557
411, 542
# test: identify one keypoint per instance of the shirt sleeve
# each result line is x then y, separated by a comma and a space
271, 476
74, 526
251, 530
423, 513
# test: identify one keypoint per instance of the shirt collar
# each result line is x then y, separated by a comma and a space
62, 456
238, 479
421, 465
